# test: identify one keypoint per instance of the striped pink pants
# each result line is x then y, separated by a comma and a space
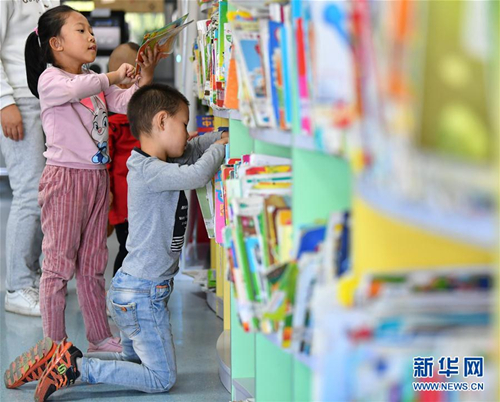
74, 218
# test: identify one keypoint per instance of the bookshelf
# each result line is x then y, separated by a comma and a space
389, 235
257, 359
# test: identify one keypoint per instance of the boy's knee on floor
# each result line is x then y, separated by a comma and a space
165, 381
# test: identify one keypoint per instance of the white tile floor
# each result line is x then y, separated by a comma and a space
196, 330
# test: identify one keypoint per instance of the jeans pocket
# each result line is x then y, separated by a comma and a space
125, 317
164, 290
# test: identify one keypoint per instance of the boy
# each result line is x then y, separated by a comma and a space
120, 145
159, 172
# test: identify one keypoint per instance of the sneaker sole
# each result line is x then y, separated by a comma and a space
30, 365
51, 381
21, 310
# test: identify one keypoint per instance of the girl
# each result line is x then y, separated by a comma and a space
74, 187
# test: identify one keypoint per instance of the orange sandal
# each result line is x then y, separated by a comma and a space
30, 365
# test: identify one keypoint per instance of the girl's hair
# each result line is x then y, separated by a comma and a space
37, 52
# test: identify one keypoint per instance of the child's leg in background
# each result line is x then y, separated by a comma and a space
139, 308
62, 206
121, 235
93, 255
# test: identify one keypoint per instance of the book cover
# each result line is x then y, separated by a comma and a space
204, 124
206, 201
165, 38
276, 74
333, 84
286, 46
220, 220
253, 99
264, 55
222, 39
226, 175
262, 160
310, 239
284, 232
308, 265
231, 95
304, 100
228, 45
272, 204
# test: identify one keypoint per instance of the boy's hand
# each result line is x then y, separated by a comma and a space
192, 134
149, 63
124, 75
223, 140
225, 134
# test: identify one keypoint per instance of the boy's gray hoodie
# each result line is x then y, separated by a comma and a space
157, 205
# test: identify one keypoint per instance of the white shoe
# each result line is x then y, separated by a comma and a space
24, 301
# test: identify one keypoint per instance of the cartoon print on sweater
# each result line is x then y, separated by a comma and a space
99, 133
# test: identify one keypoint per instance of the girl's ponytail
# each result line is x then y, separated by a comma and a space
35, 61
37, 53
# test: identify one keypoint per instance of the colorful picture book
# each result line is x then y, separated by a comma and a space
165, 38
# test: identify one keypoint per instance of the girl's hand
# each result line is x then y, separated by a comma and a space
149, 63
127, 72
124, 75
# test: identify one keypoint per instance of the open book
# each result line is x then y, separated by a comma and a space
165, 37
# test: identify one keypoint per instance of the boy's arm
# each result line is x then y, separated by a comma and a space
196, 147
161, 176
117, 99
205, 140
56, 88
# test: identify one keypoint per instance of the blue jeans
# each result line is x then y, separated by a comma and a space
147, 362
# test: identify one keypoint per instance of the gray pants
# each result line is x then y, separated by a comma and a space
25, 163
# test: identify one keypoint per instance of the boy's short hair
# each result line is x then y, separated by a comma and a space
124, 53
150, 100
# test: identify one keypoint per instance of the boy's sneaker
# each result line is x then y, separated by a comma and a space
23, 301
108, 345
30, 365
60, 372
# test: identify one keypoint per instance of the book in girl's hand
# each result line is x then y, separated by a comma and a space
165, 37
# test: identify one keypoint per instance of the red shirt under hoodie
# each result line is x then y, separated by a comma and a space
121, 143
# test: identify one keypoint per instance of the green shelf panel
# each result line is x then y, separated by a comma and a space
242, 347
321, 185
262, 147
273, 369
302, 382
240, 142
242, 343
